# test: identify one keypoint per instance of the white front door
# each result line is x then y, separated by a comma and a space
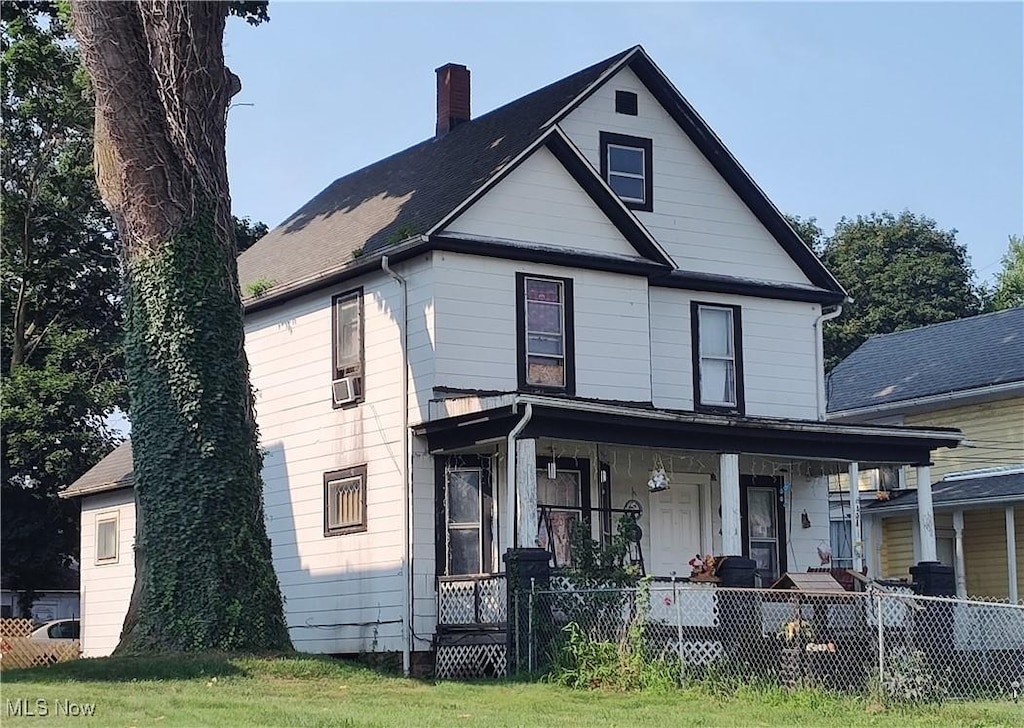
676, 525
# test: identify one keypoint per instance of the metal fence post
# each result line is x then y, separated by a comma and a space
519, 660
529, 657
679, 627
881, 638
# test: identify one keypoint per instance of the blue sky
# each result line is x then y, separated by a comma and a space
834, 108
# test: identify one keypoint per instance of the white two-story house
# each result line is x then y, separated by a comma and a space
536, 317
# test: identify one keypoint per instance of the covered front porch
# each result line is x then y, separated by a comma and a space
749, 489
979, 532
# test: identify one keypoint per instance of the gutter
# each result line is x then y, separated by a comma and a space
407, 557
947, 505
819, 358
510, 472
932, 399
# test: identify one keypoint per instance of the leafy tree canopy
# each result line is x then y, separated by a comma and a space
61, 323
902, 271
60, 326
1009, 287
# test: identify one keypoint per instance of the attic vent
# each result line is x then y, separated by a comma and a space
625, 103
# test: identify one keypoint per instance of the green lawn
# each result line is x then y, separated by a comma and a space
312, 691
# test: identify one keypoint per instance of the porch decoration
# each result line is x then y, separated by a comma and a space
659, 478
703, 568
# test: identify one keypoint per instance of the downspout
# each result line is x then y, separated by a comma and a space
407, 593
819, 358
510, 474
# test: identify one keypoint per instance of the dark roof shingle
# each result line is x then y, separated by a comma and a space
955, 356
995, 486
113, 472
409, 192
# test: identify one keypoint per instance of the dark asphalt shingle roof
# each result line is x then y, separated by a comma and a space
942, 358
409, 192
997, 487
111, 473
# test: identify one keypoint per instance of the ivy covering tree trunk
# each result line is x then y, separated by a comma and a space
204, 573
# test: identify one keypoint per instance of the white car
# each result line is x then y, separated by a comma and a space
61, 631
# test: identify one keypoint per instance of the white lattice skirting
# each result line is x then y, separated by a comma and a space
457, 662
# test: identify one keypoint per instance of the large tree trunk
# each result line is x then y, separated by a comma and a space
204, 575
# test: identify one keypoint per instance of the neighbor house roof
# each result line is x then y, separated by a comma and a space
111, 473
991, 487
407, 197
956, 356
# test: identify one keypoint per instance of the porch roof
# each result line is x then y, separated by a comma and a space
486, 417
968, 490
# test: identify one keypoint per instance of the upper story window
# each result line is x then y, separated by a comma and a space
627, 166
348, 359
545, 340
106, 538
717, 356
345, 501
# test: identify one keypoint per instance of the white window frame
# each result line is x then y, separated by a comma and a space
702, 357
630, 175
352, 480
102, 519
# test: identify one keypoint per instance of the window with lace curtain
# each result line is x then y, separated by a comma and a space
717, 357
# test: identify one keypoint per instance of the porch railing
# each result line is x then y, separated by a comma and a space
472, 600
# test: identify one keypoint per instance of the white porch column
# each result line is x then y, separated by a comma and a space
1011, 554
732, 539
925, 515
526, 487
856, 536
961, 570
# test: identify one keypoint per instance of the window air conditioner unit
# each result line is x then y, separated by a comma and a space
343, 391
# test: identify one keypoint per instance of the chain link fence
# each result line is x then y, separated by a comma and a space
891, 643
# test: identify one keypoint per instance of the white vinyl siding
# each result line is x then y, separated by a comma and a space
697, 218
476, 327
539, 202
779, 362
106, 585
332, 585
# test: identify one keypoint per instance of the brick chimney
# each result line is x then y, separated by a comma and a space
452, 97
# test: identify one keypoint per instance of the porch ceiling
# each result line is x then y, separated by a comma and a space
617, 423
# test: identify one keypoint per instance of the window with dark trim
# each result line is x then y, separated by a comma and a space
465, 516
562, 502
345, 501
627, 165
716, 332
347, 339
544, 334
625, 103
763, 519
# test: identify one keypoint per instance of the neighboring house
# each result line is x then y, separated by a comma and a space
60, 600
107, 557
520, 323
967, 374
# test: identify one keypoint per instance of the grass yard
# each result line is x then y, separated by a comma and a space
312, 691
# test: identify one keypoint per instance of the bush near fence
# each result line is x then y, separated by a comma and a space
895, 646
17, 651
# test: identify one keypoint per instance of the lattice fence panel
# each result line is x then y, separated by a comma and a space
20, 652
464, 662
15, 627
